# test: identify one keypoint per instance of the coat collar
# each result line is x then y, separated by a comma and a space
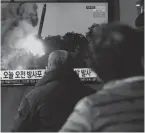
58, 74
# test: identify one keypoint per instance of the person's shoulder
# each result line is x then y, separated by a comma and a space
36, 91
80, 119
125, 87
86, 103
32, 94
39, 92
118, 90
93, 99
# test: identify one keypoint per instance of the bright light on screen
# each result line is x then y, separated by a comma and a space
33, 45
20, 67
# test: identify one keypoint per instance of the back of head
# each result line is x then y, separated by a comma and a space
58, 59
116, 51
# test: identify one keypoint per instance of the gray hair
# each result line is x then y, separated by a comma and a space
57, 58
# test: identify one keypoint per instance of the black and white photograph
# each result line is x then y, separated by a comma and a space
72, 66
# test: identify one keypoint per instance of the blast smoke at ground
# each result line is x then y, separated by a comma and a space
18, 21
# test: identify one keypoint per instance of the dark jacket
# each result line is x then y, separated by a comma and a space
118, 107
48, 105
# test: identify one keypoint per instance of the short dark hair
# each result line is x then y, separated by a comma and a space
116, 51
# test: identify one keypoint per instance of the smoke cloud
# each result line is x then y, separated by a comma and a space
18, 21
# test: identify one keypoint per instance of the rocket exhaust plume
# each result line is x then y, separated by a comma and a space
18, 21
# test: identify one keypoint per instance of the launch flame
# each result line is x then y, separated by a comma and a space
33, 45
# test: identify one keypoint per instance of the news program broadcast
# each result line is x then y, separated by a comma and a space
31, 31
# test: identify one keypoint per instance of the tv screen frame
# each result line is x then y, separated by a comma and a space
111, 17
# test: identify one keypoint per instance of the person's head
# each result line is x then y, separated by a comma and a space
58, 59
116, 51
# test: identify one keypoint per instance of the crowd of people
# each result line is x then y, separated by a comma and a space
60, 102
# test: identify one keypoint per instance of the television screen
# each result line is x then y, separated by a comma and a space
31, 31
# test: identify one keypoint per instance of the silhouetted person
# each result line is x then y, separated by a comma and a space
117, 51
48, 105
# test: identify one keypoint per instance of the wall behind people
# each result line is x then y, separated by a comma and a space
128, 12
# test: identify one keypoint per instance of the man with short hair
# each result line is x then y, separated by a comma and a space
47, 106
117, 51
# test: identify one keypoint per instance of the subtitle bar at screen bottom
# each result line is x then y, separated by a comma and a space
31, 77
